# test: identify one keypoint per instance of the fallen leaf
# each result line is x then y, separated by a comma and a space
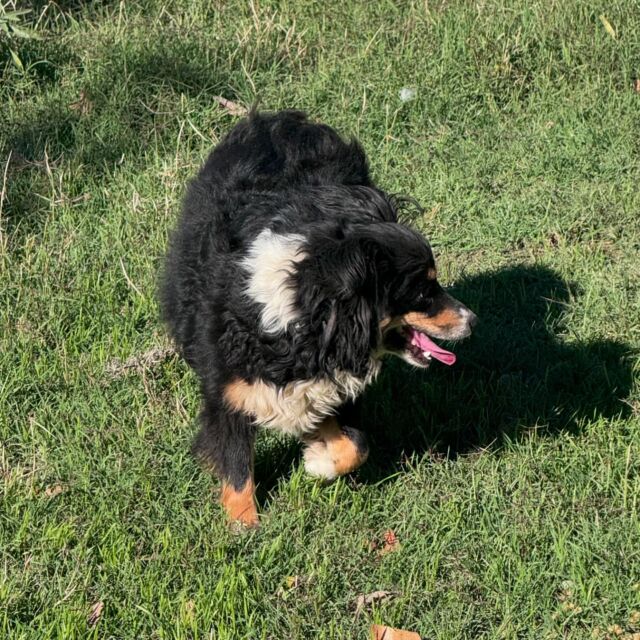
189, 608
390, 543
380, 632
96, 612
233, 108
293, 581
53, 490
117, 368
367, 599
16, 60
607, 25
82, 105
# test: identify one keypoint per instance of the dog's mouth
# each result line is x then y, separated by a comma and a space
426, 349
416, 347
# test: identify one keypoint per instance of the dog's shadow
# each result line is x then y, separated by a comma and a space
522, 369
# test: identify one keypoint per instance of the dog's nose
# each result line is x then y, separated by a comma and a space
472, 320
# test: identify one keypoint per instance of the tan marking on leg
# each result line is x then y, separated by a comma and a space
379, 632
342, 449
432, 274
240, 505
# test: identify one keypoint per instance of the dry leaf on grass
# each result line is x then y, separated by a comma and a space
117, 368
53, 490
232, 108
367, 599
96, 612
291, 585
380, 632
293, 582
388, 543
607, 25
83, 105
188, 609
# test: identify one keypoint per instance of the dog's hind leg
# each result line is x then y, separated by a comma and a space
226, 443
332, 450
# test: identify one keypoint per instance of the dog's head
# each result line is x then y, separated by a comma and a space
374, 290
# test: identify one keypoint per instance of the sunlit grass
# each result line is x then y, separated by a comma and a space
511, 480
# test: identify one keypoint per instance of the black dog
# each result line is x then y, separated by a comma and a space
288, 278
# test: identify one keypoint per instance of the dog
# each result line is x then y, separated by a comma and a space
287, 279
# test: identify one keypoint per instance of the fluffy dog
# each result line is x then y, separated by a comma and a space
288, 278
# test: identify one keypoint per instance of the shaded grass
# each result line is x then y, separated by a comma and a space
511, 480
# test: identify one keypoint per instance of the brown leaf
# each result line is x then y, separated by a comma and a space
390, 543
189, 608
96, 612
380, 632
137, 364
367, 599
53, 490
83, 105
232, 108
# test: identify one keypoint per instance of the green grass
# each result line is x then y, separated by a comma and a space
511, 480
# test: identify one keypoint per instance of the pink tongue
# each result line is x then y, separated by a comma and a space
423, 343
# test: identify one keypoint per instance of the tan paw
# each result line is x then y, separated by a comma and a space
240, 505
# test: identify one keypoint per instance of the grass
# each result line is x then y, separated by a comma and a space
511, 480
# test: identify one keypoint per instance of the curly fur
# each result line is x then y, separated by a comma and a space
285, 268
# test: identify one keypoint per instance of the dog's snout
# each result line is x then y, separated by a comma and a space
469, 321
472, 319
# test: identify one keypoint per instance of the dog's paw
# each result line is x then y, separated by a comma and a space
240, 527
318, 461
240, 504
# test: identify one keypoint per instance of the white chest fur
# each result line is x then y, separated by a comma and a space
299, 406
269, 265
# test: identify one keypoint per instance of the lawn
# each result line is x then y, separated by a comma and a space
511, 480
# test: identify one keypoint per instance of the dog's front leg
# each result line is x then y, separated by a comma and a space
226, 442
332, 450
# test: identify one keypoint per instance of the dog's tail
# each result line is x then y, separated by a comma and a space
273, 151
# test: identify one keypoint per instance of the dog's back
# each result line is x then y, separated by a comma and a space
264, 164
268, 152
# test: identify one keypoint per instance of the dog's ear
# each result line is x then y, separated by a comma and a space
344, 306
348, 336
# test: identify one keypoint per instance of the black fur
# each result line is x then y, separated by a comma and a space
284, 173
